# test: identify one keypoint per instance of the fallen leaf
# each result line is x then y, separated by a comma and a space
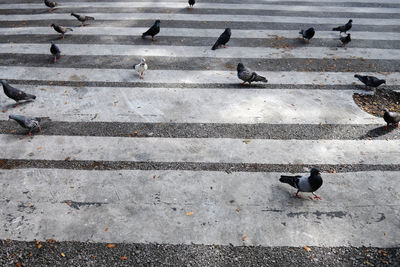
30, 205
39, 245
106, 229
51, 83
68, 203
190, 213
123, 258
307, 248
52, 240
18, 264
30, 254
4, 111
62, 254
246, 141
67, 158
110, 245
244, 237
93, 256
237, 210
154, 177
38, 148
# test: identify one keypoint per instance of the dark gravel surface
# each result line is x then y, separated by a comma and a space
211, 130
52, 253
69, 163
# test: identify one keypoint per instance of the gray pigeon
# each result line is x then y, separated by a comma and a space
153, 31
82, 18
222, 39
15, 93
31, 123
61, 29
307, 34
304, 183
51, 4
246, 75
344, 28
370, 80
55, 51
391, 118
345, 40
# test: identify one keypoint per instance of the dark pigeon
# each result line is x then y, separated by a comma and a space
222, 39
61, 29
246, 75
153, 31
391, 118
15, 93
307, 34
55, 51
345, 40
191, 3
304, 183
344, 28
51, 4
370, 80
82, 18
31, 123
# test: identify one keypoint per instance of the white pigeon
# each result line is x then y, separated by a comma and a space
141, 68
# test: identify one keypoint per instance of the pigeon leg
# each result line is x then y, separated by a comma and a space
385, 127
316, 197
62, 36
153, 39
141, 75
297, 194
40, 129
29, 133
55, 59
397, 125
51, 10
16, 105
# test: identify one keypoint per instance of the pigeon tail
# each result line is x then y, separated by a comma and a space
259, 78
289, 180
214, 46
89, 18
336, 29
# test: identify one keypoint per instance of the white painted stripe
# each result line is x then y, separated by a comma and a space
178, 76
221, 150
202, 17
339, 1
263, 204
223, 6
179, 105
191, 32
204, 51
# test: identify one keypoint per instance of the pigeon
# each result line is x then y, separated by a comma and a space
141, 68
246, 75
307, 34
30, 123
153, 31
344, 28
51, 4
391, 118
55, 51
191, 3
222, 39
82, 18
345, 40
15, 93
370, 80
61, 29
304, 183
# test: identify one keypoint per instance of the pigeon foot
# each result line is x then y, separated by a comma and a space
317, 197
385, 127
297, 195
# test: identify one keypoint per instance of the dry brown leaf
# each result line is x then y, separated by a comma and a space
68, 203
106, 229
18, 264
30, 205
51, 83
94, 256
30, 254
237, 210
4, 111
67, 158
190, 213
110, 245
154, 177
38, 148
39, 245
62, 254
307, 248
244, 237
246, 141
123, 258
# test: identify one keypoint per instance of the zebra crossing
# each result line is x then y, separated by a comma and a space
187, 155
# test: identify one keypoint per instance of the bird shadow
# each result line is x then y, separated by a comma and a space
11, 106
379, 131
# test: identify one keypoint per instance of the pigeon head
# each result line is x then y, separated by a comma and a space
53, 25
143, 60
3, 82
240, 67
228, 30
385, 110
52, 42
72, 14
314, 171
158, 22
